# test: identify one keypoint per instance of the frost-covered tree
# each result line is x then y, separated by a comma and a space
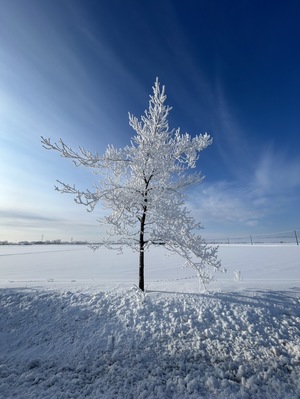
143, 186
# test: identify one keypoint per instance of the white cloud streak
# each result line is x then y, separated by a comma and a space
276, 173
267, 193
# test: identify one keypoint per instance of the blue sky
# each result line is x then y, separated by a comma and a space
74, 69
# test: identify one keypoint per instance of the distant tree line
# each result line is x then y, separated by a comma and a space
47, 242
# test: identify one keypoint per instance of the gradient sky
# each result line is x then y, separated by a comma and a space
74, 69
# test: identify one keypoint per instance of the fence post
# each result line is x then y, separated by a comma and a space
296, 237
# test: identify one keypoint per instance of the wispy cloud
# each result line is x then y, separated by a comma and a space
276, 173
223, 202
265, 194
231, 139
16, 216
19, 225
262, 182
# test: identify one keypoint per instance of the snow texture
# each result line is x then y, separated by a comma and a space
71, 327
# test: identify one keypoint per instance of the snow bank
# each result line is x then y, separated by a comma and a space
121, 344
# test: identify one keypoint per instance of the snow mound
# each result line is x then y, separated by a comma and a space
124, 344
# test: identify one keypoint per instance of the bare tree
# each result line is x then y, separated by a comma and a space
143, 185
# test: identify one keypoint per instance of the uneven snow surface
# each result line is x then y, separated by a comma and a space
72, 340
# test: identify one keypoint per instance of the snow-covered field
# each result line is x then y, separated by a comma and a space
73, 325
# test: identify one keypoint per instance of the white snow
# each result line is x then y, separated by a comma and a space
73, 325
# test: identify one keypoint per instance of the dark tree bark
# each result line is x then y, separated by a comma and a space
142, 236
142, 252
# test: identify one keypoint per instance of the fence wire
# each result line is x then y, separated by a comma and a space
283, 237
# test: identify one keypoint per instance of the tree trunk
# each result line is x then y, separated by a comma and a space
142, 256
142, 235
141, 269
142, 253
